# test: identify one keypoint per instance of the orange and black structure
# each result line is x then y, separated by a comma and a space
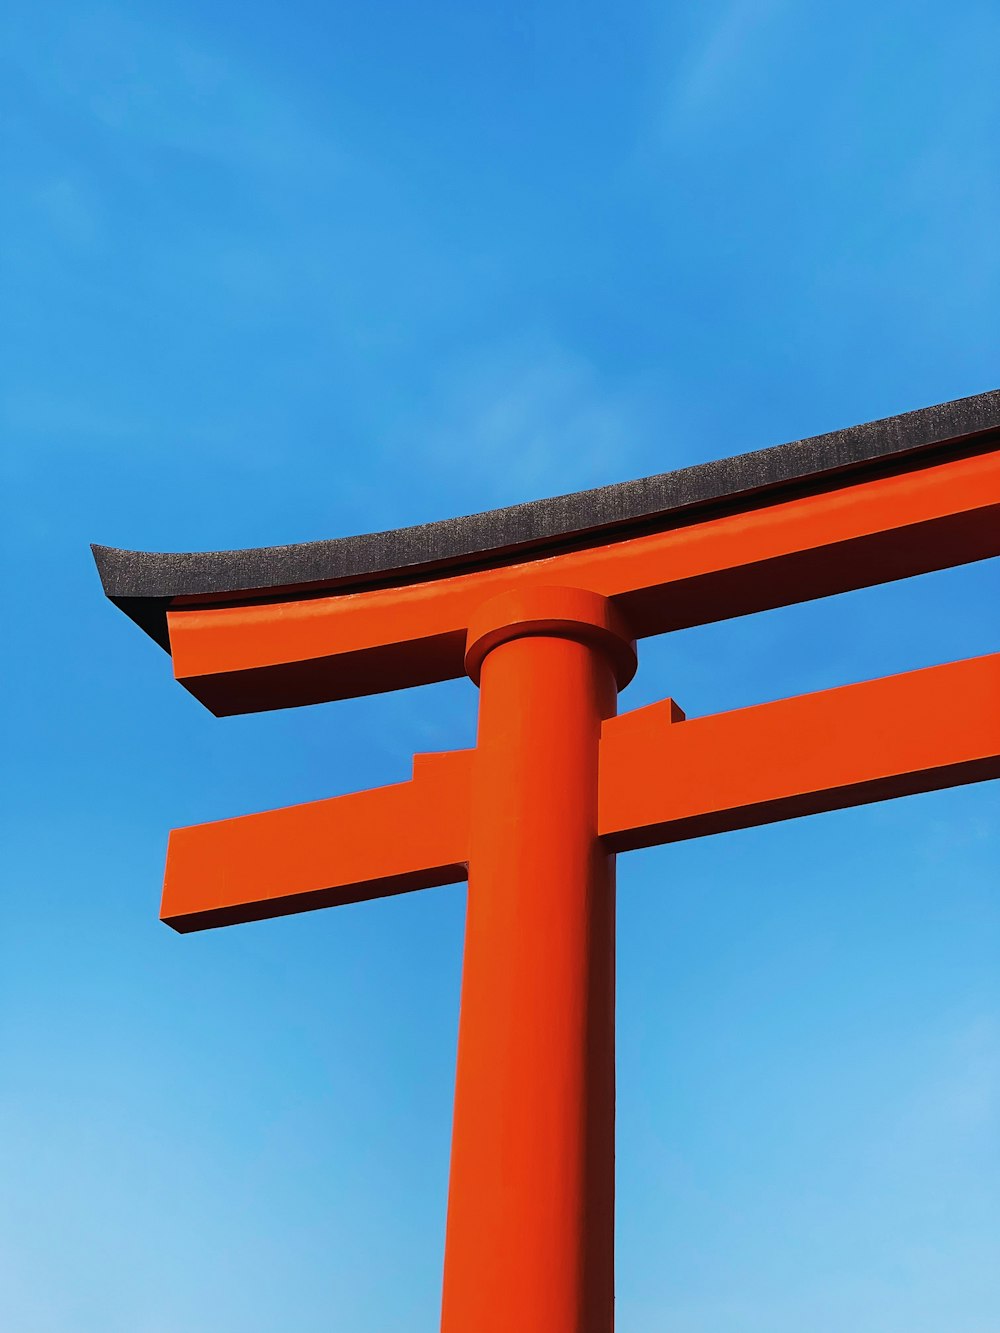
541, 605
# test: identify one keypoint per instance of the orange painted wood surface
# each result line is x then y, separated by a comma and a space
664, 779
276, 654
530, 1234
368, 844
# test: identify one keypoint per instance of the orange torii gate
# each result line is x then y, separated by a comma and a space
541, 604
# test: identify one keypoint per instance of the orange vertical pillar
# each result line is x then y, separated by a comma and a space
530, 1236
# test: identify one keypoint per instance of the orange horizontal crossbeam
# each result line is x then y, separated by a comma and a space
663, 779
768, 553
369, 844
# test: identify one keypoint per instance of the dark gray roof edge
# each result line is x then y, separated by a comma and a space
143, 582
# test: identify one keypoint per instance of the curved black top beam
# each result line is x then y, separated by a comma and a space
144, 583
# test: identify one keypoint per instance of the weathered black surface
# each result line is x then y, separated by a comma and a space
145, 583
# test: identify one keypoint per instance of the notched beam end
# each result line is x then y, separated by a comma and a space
369, 844
642, 724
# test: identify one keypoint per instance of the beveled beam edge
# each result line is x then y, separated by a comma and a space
145, 583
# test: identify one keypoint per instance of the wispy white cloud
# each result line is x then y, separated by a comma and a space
161, 85
139, 101
531, 418
737, 37
166, 181
68, 204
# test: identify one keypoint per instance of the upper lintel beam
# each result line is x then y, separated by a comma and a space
281, 626
245, 658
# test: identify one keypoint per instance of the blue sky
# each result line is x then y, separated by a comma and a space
275, 273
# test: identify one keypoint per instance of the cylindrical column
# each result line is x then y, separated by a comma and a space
530, 1238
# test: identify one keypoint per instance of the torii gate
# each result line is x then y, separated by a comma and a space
541, 604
